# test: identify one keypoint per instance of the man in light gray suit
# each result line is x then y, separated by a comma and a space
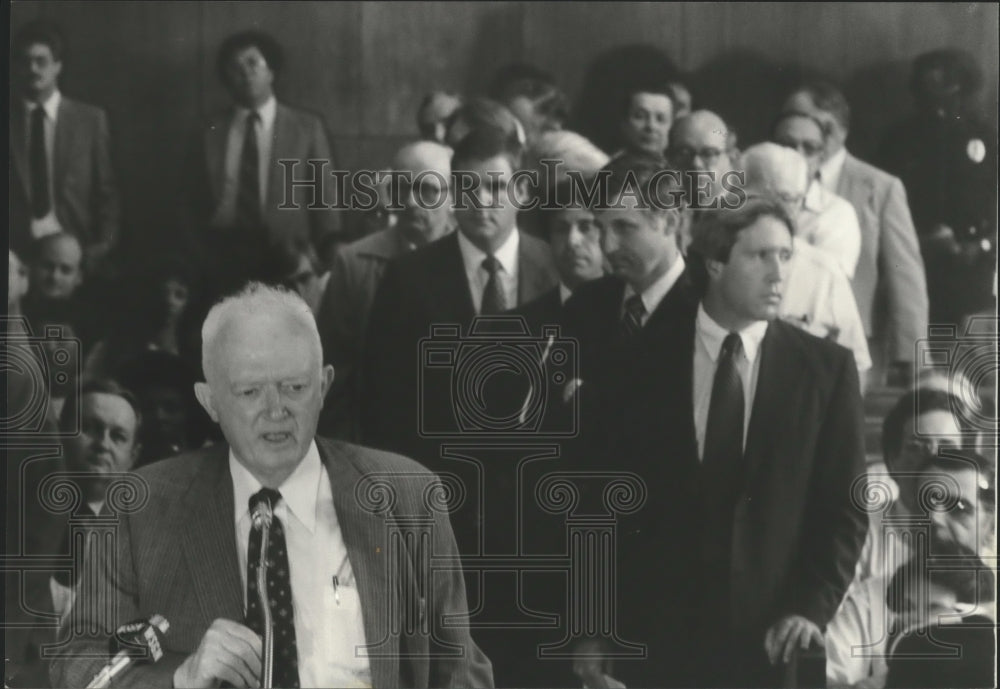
889, 282
354, 600
420, 184
61, 178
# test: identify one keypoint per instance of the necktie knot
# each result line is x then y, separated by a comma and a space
265, 495
635, 307
732, 346
491, 265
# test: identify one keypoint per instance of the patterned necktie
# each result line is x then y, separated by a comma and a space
494, 299
41, 204
724, 430
279, 594
248, 188
632, 320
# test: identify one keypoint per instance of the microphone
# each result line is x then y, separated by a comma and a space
133, 642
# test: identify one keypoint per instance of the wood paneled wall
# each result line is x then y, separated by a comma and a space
365, 66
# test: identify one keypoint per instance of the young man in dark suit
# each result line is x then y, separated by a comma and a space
485, 268
237, 182
748, 434
61, 174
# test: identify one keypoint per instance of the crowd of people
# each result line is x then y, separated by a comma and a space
729, 306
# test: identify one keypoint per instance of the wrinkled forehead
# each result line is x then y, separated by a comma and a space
270, 340
425, 157
65, 249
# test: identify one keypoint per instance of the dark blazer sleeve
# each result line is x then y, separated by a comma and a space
107, 585
388, 367
902, 267
107, 209
835, 526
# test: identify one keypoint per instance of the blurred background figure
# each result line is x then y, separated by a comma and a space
703, 147
480, 113
17, 283
947, 159
681, 97
296, 266
172, 420
647, 115
534, 98
423, 195
433, 114
150, 318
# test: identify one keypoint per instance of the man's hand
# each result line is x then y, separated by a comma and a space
591, 665
787, 633
228, 652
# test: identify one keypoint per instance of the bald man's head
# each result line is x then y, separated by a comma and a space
703, 142
422, 179
779, 171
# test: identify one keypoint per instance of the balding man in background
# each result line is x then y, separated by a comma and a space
421, 187
703, 146
817, 295
889, 283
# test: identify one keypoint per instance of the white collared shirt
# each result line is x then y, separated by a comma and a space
829, 171
564, 293
225, 214
818, 298
477, 276
708, 340
329, 627
829, 223
654, 294
49, 224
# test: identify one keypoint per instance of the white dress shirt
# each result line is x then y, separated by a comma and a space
477, 276
708, 340
830, 223
49, 224
654, 294
329, 628
63, 597
225, 214
829, 172
818, 298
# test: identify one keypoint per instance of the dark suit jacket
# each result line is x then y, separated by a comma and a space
299, 136
889, 282
177, 557
85, 197
796, 531
419, 290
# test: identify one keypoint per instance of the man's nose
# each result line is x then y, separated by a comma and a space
274, 404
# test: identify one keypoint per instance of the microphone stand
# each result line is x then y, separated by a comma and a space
262, 521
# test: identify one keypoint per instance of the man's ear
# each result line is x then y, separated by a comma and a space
326, 380
204, 394
714, 268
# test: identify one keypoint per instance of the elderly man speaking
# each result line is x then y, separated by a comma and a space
337, 580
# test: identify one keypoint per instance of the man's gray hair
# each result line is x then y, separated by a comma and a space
255, 299
767, 163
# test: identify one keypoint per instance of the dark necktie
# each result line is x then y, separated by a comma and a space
494, 299
632, 320
724, 430
248, 189
279, 592
41, 204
